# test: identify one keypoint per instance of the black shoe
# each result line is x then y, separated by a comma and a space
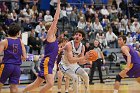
102, 82
58, 92
91, 83
66, 92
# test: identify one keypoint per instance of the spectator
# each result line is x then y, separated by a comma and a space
88, 14
104, 11
42, 35
2, 34
123, 6
73, 20
3, 7
122, 29
124, 20
97, 25
81, 23
35, 67
68, 10
129, 39
39, 27
26, 25
101, 38
63, 15
34, 44
129, 27
14, 16
48, 17
135, 26
89, 31
81, 15
9, 20
111, 38
40, 17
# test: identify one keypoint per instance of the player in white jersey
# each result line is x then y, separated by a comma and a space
74, 53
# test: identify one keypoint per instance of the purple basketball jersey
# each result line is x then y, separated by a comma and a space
135, 58
13, 53
47, 63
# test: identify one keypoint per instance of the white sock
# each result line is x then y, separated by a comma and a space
66, 90
59, 90
115, 91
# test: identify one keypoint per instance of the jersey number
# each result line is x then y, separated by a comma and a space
15, 48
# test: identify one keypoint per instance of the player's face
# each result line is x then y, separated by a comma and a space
78, 37
120, 41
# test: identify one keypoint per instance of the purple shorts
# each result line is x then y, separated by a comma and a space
134, 71
11, 72
46, 67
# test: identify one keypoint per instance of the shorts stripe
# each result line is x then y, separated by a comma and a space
46, 70
1, 69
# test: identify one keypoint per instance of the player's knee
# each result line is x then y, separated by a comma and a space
75, 78
13, 88
118, 78
60, 76
51, 83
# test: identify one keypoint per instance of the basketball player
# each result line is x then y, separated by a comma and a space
47, 63
132, 58
74, 53
14, 51
60, 75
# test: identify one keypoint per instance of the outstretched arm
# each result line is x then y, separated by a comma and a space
52, 30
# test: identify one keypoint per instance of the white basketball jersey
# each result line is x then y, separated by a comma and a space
76, 52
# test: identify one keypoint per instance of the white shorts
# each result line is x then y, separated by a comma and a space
63, 67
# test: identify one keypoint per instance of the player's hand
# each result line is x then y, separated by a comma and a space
103, 61
123, 73
23, 58
83, 62
87, 55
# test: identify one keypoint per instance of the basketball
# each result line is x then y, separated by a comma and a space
93, 55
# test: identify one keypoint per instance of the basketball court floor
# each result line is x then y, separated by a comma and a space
127, 86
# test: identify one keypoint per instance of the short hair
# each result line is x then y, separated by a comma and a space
123, 37
14, 29
61, 40
81, 32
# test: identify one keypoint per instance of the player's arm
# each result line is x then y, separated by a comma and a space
102, 55
82, 55
125, 50
2, 46
24, 56
52, 30
70, 57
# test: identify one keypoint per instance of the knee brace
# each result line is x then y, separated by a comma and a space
118, 78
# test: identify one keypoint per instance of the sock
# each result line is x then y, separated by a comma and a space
59, 90
115, 91
66, 90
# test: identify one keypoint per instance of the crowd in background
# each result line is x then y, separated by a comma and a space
104, 23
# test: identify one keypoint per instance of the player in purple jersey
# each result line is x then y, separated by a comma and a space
47, 63
132, 58
14, 51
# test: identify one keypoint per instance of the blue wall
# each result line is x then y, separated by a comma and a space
45, 4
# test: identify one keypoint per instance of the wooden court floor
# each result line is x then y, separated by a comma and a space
127, 86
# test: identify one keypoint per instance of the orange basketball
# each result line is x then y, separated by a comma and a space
93, 55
